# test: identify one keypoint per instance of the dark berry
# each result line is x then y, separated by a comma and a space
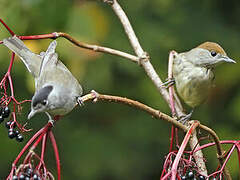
201, 177
19, 138
190, 175
1, 119
35, 177
183, 178
6, 112
29, 172
7, 124
15, 178
21, 177
11, 133
16, 132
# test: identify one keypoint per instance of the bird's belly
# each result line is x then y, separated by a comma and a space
59, 111
194, 86
63, 110
64, 101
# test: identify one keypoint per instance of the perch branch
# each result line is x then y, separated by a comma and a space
144, 57
122, 100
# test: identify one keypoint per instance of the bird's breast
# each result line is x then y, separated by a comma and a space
193, 83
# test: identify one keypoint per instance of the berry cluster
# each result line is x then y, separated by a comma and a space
12, 133
27, 175
10, 125
4, 113
190, 176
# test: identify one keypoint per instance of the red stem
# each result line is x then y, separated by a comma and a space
55, 148
181, 149
43, 150
213, 143
166, 176
172, 138
238, 152
6, 26
41, 36
228, 156
41, 131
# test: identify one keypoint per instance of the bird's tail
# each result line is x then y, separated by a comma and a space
32, 61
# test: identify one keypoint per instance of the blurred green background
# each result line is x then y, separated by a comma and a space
111, 141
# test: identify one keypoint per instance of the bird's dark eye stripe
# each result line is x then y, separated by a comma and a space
213, 53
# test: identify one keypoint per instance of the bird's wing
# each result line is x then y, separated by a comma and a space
49, 57
31, 60
55, 71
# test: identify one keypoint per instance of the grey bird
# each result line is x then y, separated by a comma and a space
57, 91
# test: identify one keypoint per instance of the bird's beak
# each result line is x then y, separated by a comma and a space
32, 113
228, 60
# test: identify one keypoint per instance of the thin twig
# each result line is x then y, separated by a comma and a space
153, 112
144, 57
220, 152
95, 48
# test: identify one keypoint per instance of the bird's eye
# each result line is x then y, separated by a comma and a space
44, 102
213, 53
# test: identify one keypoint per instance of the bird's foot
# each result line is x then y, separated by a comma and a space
186, 118
80, 101
50, 120
91, 96
168, 83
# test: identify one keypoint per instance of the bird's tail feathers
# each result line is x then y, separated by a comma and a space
31, 60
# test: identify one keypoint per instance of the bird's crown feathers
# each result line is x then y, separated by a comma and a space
211, 46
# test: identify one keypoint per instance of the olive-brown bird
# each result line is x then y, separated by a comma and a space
193, 71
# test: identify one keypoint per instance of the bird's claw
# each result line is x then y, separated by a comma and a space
168, 83
186, 118
51, 121
80, 101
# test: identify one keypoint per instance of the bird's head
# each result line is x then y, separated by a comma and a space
208, 54
40, 101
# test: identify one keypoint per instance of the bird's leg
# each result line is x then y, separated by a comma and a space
50, 118
168, 83
186, 118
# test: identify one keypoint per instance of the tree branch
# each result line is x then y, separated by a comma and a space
95, 48
94, 96
144, 57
